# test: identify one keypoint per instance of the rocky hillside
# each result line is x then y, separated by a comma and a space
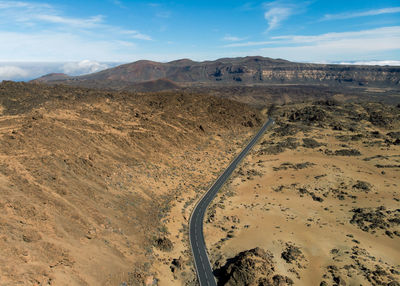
87, 177
235, 71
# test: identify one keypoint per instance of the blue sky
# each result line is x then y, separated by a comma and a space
90, 35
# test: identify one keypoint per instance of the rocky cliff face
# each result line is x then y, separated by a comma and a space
237, 71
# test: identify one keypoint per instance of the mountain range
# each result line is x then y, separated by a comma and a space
146, 75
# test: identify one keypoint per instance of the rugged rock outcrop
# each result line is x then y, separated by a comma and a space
251, 267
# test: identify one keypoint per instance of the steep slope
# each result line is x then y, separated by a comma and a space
237, 71
87, 177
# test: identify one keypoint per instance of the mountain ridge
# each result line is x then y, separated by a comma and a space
251, 70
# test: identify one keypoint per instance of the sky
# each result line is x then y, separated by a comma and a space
78, 37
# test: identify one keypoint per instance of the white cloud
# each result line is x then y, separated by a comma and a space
118, 3
350, 15
12, 72
83, 67
391, 34
20, 4
379, 43
56, 46
372, 63
58, 37
249, 44
333, 46
90, 22
385, 36
163, 14
135, 35
230, 38
276, 15
278, 11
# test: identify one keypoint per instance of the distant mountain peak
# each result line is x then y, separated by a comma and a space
182, 62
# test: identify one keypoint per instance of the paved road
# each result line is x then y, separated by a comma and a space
202, 263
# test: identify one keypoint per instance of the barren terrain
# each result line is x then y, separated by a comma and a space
97, 187
87, 178
317, 202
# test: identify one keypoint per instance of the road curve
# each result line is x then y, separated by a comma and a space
202, 263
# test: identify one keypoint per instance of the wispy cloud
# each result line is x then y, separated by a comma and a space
83, 67
249, 44
32, 70
329, 46
229, 38
387, 33
63, 46
118, 3
20, 4
40, 31
248, 6
278, 11
135, 35
349, 15
163, 14
36, 14
332, 46
372, 63
276, 15
90, 22
11, 72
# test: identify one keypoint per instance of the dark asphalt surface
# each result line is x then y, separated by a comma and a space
202, 263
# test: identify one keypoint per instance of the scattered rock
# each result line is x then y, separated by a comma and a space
176, 264
361, 185
311, 143
291, 253
344, 152
374, 219
288, 165
164, 244
308, 115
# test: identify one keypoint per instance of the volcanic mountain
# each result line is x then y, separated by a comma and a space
233, 71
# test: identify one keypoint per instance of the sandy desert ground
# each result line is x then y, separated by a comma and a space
97, 187
317, 202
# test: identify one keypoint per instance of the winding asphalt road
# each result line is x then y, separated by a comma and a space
203, 267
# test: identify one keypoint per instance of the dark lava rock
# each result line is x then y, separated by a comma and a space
279, 147
288, 165
164, 244
279, 280
339, 280
286, 129
177, 264
291, 253
327, 102
374, 219
394, 135
346, 138
311, 143
308, 115
380, 118
347, 152
361, 185
248, 123
251, 267
289, 143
